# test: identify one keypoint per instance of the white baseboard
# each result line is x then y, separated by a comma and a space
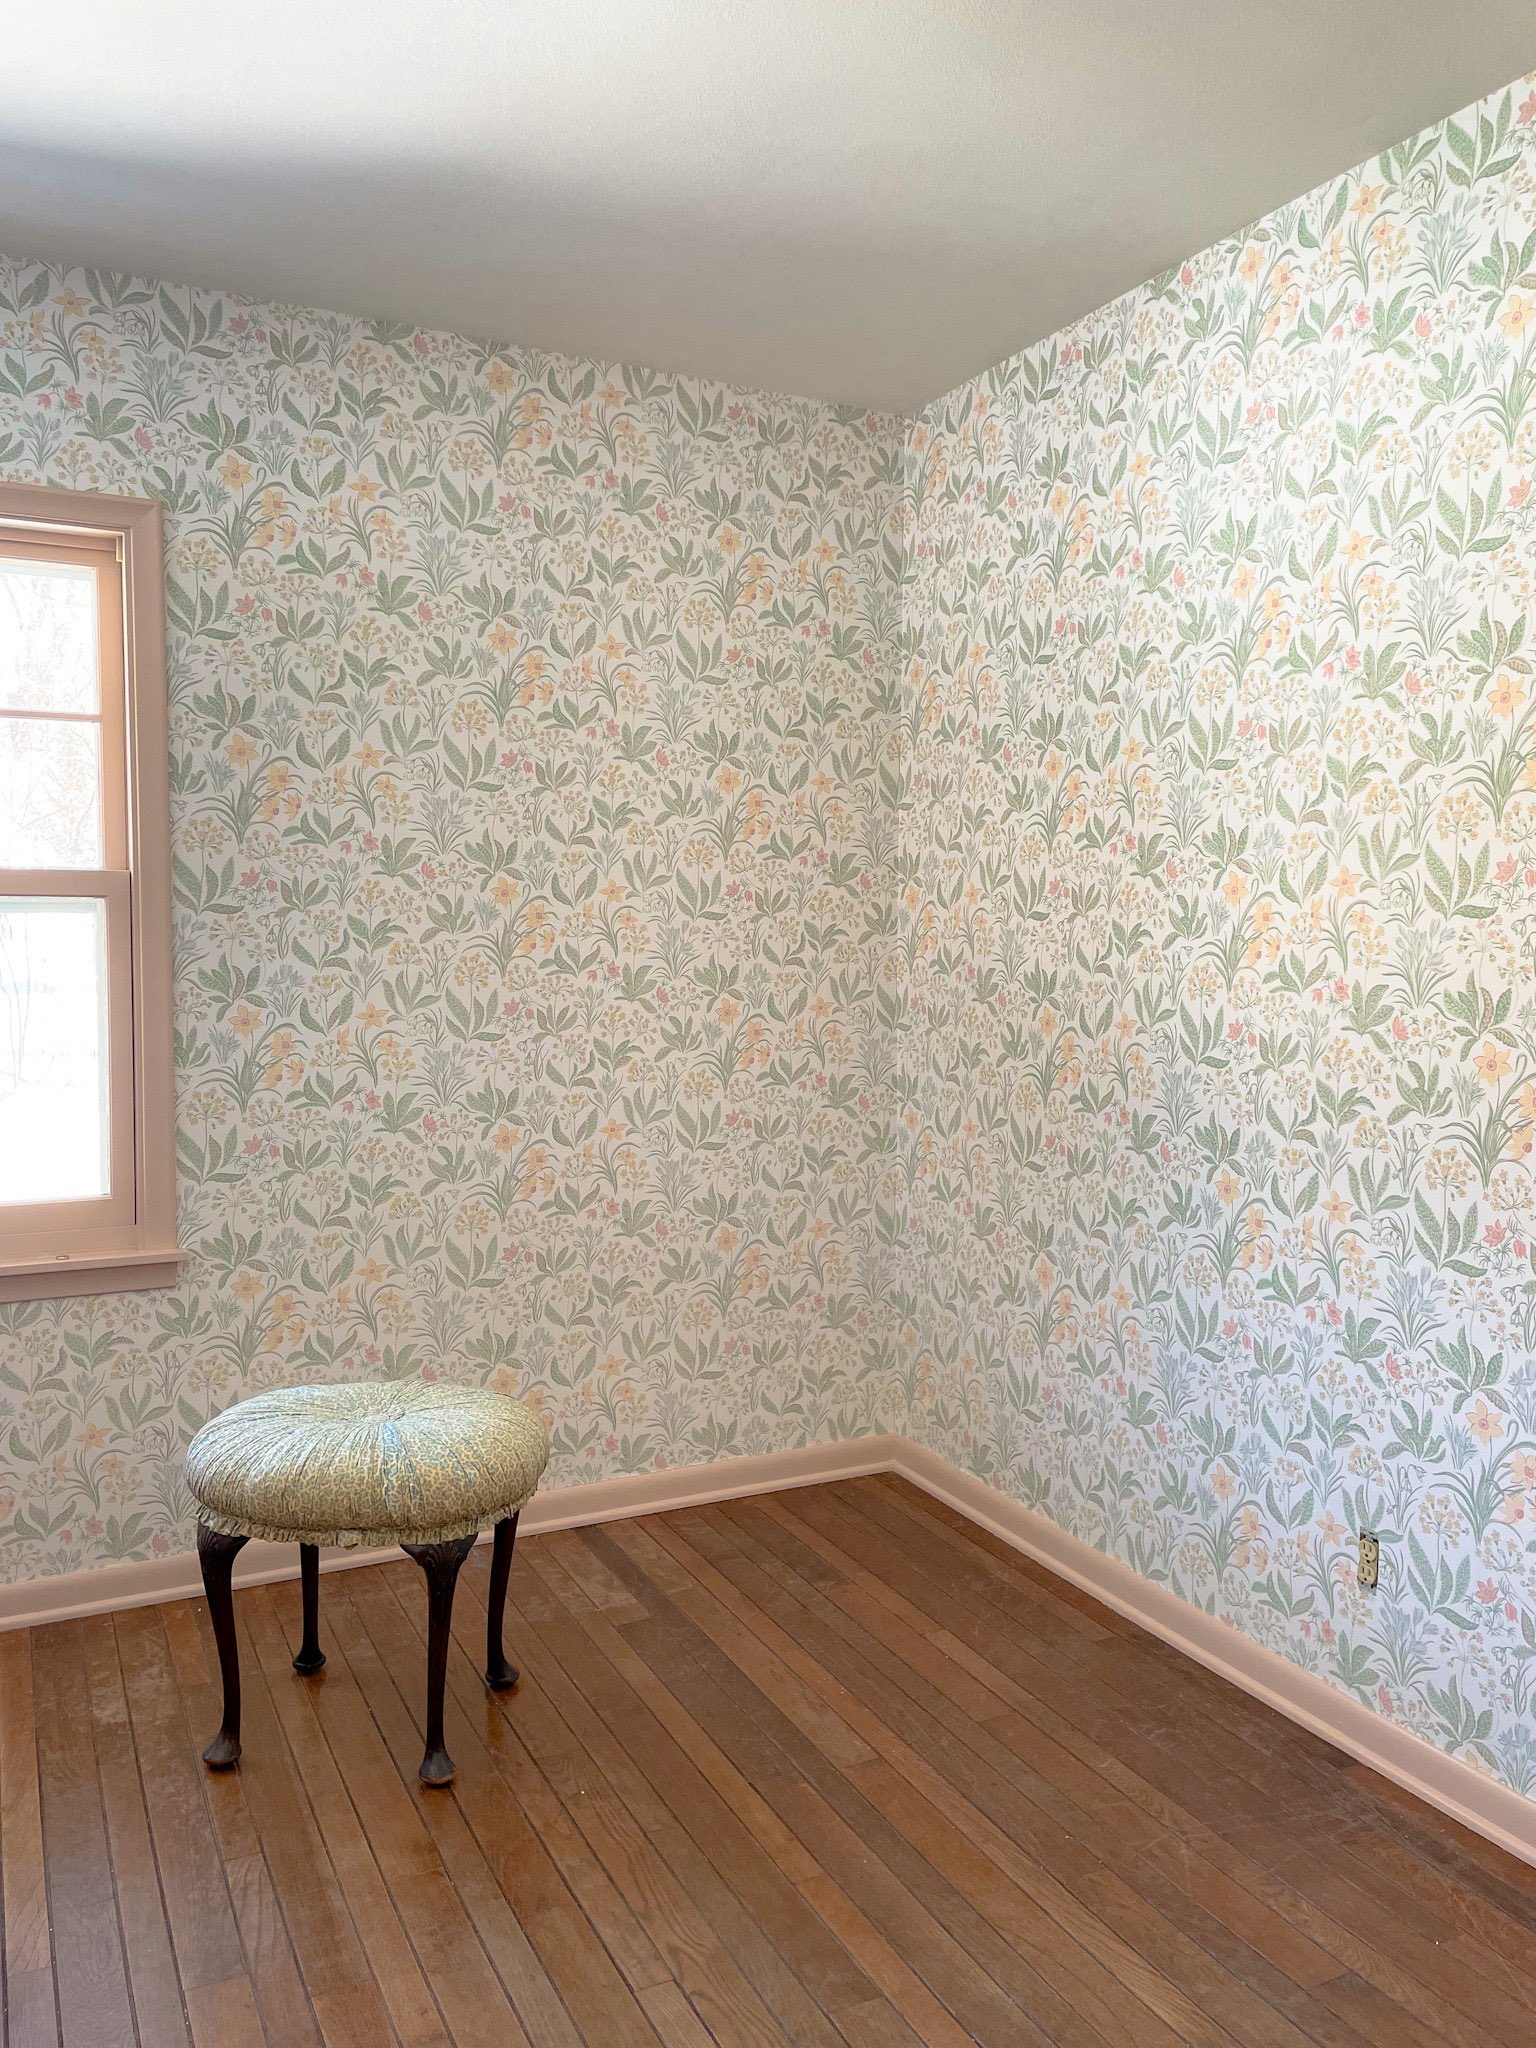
1468, 1795
101, 1589
1465, 1793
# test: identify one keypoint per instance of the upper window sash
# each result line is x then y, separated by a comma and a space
105, 717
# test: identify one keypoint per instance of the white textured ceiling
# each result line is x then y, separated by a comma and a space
864, 200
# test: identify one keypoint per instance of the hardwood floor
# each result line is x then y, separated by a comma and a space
830, 1768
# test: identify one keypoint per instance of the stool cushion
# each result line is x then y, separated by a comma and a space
370, 1462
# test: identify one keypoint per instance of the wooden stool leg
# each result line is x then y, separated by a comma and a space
499, 1674
441, 1563
216, 1555
310, 1656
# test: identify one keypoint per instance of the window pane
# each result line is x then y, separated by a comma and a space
48, 644
50, 794
53, 1049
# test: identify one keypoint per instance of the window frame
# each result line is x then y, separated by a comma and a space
126, 1240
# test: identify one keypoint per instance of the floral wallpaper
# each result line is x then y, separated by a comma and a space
1216, 1131
528, 847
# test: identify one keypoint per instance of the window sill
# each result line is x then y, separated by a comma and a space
88, 1273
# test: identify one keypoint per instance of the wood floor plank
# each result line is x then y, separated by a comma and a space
277, 1984
674, 2018
534, 1803
31, 2010
891, 1954
95, 2005
709, 1759
876, 2026
1332, 1833
30, 2003
785, 1645
716, 1944
1237, 1734
198, 1908
224, 2016
153, 1979
771, 1893
330, 1990
831, 1767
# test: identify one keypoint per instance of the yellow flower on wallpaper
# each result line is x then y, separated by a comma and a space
1507, 696
1493, 1062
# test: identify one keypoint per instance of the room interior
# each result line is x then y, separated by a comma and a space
798, 1010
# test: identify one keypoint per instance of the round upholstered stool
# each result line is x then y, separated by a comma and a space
364, 1464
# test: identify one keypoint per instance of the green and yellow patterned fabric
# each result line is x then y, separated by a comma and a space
366, 1463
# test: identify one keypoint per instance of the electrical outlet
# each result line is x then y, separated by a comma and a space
1368, 1568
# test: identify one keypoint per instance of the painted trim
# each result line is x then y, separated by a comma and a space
1490, 1809
1478, 1802
54, 1254
102, 1589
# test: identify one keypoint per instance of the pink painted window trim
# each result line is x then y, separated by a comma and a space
128, 1240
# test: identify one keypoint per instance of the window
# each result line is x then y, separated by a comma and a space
87, 1124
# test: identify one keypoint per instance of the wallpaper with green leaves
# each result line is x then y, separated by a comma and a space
1218, 1121
527, 848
